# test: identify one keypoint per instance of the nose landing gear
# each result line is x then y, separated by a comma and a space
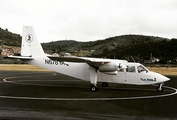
160, 87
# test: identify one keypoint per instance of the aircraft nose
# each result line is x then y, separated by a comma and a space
160, 78
164, 78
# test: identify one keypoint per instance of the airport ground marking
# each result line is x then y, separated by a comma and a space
86, 99
91, 99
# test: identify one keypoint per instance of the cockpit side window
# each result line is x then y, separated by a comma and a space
130, 69
141, 69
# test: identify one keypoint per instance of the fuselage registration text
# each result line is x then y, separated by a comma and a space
51, 62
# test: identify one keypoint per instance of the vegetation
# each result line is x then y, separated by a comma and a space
166, 51
9, 38
142, 48
100, 46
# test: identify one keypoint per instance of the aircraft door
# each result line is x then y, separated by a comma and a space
130, 74
120, 77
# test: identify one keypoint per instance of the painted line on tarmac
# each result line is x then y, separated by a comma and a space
22, 83
88, 99
91, 99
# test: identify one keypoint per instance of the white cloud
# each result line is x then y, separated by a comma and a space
90, 19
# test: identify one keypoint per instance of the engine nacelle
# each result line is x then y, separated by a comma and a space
110, 73
109, 67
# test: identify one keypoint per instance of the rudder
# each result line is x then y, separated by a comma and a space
30, 45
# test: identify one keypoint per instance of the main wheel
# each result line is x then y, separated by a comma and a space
94, 88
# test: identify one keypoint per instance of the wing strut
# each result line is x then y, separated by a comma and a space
93, 79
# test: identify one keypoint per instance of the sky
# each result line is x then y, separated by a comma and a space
90, 20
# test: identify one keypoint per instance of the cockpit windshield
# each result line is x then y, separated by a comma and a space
142, 68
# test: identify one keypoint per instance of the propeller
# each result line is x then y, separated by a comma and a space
122, 66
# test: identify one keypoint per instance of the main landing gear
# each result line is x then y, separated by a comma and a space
160, 87
93, 79
94, 88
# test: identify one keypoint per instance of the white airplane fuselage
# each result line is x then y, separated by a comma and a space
82, 71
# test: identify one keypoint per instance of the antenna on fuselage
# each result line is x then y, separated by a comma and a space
133, 59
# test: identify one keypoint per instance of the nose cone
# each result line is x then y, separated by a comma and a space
159, 78
164, 78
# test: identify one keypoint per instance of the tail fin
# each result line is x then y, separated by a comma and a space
30, 46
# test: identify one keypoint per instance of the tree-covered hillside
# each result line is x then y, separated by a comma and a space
141, 47
102, 47
9, 38
166, 51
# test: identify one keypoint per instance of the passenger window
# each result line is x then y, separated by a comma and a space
130, 69
141, 69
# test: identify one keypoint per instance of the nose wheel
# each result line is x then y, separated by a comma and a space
160, 87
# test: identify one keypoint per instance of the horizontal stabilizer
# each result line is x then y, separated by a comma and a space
20, 57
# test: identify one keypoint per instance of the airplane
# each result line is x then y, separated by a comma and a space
86, 68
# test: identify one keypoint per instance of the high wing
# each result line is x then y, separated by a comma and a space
91, 61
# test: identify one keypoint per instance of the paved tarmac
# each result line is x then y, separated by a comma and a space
52, 96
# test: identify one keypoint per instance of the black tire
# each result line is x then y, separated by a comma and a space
104, 84
94, 88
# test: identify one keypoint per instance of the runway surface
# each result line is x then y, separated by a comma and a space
52, 96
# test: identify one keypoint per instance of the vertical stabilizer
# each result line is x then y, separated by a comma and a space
30, 45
